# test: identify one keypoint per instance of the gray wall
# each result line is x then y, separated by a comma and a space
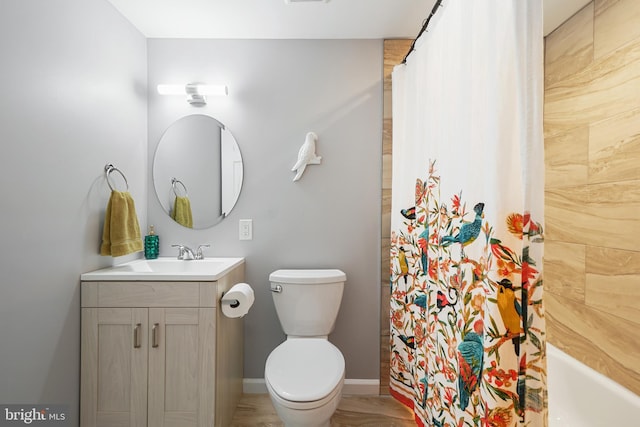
72, 98
278, 91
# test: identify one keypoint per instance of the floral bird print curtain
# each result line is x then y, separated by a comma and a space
465, 303
466, 281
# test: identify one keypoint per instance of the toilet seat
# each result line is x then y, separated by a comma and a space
305, 372
304, 406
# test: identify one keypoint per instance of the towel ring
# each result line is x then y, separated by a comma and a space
174, 183
107, 172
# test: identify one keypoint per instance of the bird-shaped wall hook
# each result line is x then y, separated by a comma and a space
306, 155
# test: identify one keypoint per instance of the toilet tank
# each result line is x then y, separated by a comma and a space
307, 301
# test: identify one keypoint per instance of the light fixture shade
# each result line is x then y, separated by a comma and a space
197, 90
214, 90
165, 89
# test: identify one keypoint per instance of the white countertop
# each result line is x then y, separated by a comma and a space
165, 269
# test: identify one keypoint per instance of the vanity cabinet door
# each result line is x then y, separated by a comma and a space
181, 367
114, 367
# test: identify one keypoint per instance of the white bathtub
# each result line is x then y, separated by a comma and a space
582, 397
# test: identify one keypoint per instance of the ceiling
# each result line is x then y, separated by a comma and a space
275, 19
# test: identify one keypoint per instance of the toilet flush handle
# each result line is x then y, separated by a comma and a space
276, 288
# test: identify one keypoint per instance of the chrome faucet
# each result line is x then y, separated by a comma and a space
199, 251
184, 252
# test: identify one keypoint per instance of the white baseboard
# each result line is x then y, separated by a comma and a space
361, 387
351, 387
254, 386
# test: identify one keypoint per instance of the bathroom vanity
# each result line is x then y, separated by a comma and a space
157, 351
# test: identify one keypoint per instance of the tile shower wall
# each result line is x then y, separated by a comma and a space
592, 144
394, 52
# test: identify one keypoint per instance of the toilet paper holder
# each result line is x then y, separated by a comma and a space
232, 302
237, 300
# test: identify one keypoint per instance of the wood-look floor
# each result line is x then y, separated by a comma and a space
256, 410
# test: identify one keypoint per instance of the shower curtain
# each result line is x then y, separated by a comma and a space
467, 319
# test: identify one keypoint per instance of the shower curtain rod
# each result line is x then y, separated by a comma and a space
423, 29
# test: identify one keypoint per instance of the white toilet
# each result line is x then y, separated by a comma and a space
305, 374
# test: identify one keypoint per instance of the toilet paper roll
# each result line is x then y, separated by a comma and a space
237, 301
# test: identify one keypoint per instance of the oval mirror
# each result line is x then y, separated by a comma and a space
197, 171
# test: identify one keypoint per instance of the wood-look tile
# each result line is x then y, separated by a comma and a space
592, 312
564, 269
612, 262
372, 411
387, 171
569, 49
613, 215
599, 215
567, 158
616, 23
385, 364
385, 336
385, 304
387, 135
614, 148
386, 228
608, 87
613, 282
614, 86
385, 309
387, 105
256, 410
394, 52
599, 339
565, 216
385, 261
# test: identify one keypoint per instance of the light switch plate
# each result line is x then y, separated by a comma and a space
246, 229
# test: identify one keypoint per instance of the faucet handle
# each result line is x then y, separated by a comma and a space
181, 249
199, 254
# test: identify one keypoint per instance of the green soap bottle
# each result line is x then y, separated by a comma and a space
151, 244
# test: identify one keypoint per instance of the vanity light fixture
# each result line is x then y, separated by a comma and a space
195, 92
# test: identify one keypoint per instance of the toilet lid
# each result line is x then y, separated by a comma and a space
307, 276
304, 370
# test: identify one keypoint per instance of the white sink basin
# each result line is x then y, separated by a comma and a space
165, 269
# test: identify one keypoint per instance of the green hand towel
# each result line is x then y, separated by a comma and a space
121, 232
182, 212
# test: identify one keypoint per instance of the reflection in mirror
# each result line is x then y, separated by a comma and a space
197, 171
